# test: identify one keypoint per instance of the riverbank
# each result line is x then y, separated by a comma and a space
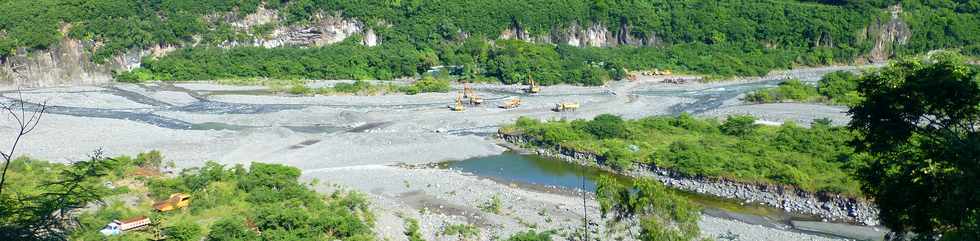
440, 197
830, 207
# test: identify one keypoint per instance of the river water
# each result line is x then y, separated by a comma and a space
545, 172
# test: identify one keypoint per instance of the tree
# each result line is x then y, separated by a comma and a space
839, 87
184, 230
231, 229
606, 126
918, 123
661, 214
739, 125
47, 215
26, 118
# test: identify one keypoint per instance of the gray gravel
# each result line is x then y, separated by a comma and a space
778, 113
353, 140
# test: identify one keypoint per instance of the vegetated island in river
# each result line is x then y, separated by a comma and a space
803, 170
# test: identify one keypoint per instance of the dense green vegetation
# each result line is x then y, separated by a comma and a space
919, 124
360, 87
37, 196
531, 235
835, 88
735, 37
942, 24
815, 159
659, 212
261, 202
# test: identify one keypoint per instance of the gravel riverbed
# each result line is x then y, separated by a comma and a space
358, 142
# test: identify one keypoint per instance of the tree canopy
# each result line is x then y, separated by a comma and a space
918, 122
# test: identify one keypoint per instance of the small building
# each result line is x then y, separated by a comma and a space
116, 227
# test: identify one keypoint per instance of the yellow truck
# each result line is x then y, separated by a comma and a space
510, 104
176, 201
470, 94
566, 106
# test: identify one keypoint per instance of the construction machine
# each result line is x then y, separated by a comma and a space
566, 106
458, 106
470, 95
533, 87
631, 77
176, 201
512, 103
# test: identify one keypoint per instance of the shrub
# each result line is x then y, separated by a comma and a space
412, 230
426, 85
790, 90
492, 206
299, 89
149, 159
184, 230
606, 126
739, 125
531, 235
231, 228
462, 231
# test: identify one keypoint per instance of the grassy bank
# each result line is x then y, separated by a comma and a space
813, 159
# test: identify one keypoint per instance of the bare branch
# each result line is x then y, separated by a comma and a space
25, 125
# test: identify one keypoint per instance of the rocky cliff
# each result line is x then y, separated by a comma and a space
887, 33
589, 35
323, 29
69, 62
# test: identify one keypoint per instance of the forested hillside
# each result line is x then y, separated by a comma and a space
735, 37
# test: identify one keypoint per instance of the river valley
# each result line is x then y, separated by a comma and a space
395, 148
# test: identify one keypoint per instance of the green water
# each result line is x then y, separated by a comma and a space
536, 170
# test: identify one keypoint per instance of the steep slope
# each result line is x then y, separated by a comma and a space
48, 42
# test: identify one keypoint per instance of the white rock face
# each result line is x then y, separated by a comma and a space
370, 38
259, 17
69, 62
887, 34
597, 35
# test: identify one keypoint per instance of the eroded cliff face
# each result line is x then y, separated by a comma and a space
324, 29
66, 63
887, 34
594, 35
69, 62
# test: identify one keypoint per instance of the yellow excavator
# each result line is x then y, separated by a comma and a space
470, 95
566, 106
533, 87
458, 106
512, 103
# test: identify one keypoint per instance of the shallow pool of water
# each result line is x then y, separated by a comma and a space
536, 170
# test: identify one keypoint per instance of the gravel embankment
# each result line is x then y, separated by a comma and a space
439, 197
